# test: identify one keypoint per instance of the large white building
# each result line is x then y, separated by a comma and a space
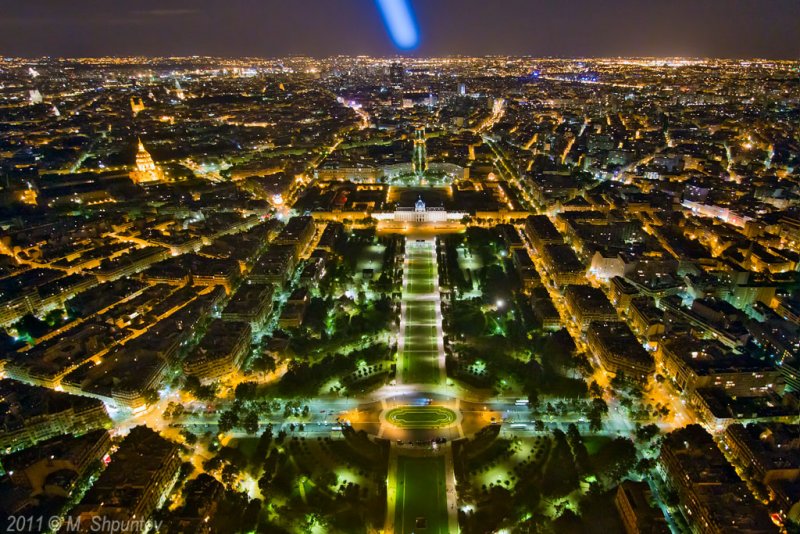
421, 214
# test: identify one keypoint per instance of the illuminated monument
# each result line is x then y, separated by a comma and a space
137, 106
420, 213
420, 158
146, 170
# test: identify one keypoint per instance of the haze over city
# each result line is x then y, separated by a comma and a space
321, 28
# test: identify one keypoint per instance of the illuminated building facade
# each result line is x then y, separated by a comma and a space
137, 106
420, 214
146, 169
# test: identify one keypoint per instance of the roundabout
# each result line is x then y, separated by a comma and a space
421, 417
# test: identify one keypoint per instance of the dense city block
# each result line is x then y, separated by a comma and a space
498, 294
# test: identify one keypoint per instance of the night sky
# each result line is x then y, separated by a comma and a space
269, 28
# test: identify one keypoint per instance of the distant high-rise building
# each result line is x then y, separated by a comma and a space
146, 170
396, 74
396, 78
420, 158
462, 89
35, 96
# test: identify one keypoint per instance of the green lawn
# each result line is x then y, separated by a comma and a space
420, 353
419, 287
421, 494
421, 367
421, 336
420, 312
421, 417
421, 272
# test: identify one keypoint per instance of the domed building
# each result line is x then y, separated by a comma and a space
146, 170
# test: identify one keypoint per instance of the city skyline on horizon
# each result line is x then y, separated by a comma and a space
719, 29
411, 58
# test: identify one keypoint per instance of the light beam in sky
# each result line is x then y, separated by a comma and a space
399, 20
